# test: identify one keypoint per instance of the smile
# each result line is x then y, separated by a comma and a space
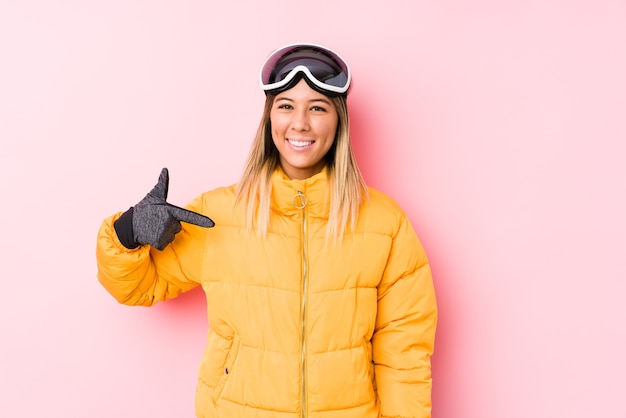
299, 143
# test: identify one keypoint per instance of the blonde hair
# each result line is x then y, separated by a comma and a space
347, 186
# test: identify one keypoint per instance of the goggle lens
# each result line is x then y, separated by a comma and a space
327, 72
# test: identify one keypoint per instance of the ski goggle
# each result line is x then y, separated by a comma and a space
324, 70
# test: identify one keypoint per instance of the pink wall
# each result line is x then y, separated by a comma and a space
499, 126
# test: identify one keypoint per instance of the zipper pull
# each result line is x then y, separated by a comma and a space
299, 200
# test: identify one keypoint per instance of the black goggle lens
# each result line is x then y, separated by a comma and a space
324, 68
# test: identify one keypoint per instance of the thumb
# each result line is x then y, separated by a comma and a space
190, 217
160, 189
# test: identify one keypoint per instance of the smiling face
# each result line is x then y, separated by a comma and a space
304, 123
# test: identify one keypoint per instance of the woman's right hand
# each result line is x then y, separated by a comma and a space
154, 221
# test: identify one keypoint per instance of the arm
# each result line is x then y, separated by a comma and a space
129, 265
131, 275
405, 329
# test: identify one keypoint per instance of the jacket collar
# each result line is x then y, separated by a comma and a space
315, 189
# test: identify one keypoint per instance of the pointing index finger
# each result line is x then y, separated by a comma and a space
190, 217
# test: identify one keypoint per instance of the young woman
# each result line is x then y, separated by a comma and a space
319, 294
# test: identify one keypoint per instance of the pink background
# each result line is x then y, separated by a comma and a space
498, 126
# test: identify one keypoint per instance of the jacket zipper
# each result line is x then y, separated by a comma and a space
299, 201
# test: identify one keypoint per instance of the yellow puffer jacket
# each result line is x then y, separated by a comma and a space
299, 327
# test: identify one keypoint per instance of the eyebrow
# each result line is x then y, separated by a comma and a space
323, 100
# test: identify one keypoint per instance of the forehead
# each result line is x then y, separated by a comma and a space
302, 92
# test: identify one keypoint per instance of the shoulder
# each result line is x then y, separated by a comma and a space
383, 203
226, 193
381, 213
218, 203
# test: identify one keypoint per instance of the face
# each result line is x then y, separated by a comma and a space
304, 123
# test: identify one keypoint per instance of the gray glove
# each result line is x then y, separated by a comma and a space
156, 222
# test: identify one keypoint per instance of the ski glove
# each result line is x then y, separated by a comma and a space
154, 221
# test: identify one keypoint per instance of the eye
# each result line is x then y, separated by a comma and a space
318, 109
285, 106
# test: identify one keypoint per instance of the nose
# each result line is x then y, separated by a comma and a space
300, 120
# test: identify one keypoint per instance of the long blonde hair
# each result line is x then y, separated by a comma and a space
347, 186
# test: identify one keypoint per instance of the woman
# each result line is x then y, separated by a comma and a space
319, 294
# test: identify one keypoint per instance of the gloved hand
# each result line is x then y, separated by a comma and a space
156, 222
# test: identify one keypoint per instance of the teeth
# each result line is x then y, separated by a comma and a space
299, 143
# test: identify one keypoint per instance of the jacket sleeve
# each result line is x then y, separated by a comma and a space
145, 276
403, 339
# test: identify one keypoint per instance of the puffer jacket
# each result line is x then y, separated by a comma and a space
299, 326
